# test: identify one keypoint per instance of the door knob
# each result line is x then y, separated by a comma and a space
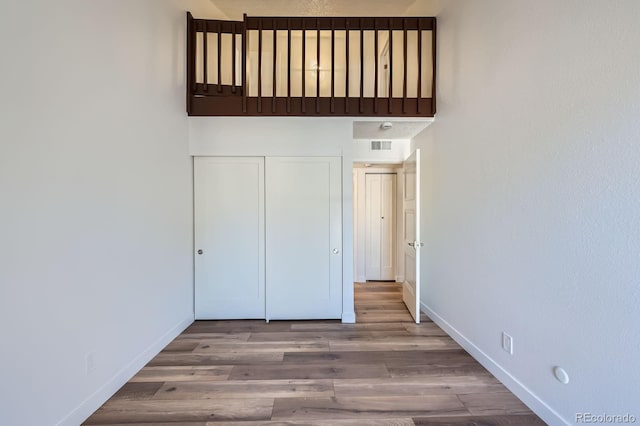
336, 251
200, 251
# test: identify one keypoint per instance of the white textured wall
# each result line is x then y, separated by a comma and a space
532, 196
288, 136
96, 184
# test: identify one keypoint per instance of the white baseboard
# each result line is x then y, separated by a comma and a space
400, 278
348, 317
546, 413
93, 402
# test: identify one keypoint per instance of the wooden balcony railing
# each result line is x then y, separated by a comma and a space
276, 66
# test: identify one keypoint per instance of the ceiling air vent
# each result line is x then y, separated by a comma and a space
380, 145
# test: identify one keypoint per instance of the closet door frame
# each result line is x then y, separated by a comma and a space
333, 309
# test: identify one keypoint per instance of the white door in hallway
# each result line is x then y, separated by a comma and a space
304, 237
229, 237
380, 222
411, 234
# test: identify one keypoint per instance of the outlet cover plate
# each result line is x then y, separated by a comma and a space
507, 343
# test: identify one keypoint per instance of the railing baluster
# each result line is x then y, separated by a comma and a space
191, 60
304, 71
361, 65
219, 57
346, 83
390, 66
245, 84
333, 65
275, 42
260, 66
288, 66
433, 52
375, 78
404, 80
419, 66
318, 65
204, 56
233, 58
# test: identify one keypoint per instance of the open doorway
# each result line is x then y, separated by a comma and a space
378, 237
378, 223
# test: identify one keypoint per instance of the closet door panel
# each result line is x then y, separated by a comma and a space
229, 238
304, 237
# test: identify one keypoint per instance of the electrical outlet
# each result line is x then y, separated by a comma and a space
90, 363
507, 343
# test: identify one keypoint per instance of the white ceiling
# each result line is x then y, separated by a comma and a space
234, 9
402, 129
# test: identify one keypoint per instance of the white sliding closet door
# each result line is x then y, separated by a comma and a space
229, 238
304, 237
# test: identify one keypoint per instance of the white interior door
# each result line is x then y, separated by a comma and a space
229, 238
304, 237
412, 244
373, 224
380, 218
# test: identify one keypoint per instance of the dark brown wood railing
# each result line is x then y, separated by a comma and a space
311, 66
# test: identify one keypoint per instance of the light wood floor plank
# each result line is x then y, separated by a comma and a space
494, 403
282, 345
116, 411
246, 389
392, 358
395, 344
425, 329
312, 422
430, 370
182, 373
375, 305
412, 386
138, 391
181, 346
512, 420
323, 422
219, 337
234, 326
382, 326
381, 407
323, 336
218, 358
305, 372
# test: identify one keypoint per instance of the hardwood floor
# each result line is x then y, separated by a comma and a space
384, 370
